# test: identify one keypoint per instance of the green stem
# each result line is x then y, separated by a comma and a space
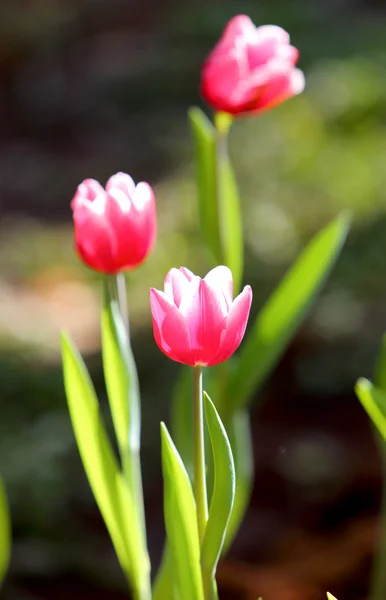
222, 128
378, 577
122, 300
199, 453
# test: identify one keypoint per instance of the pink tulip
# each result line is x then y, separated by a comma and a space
196, 321
114, 227
251, 69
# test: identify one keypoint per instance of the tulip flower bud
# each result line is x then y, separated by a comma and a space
114, 227
251, 69
196, 321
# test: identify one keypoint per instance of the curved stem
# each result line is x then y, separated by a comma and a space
122, 300
199, 453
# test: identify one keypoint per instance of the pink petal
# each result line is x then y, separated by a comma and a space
236, 324
143, 196
118, 204
170, 331
220, 80
188, 274
134, 229
95, 241
269, 40
175, 285
221, 278
205, 312
89, 189
239, 78
123, 182
297, 82
281, 87
288, 53
273, 32
239, 26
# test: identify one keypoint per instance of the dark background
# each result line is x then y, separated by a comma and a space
88, 88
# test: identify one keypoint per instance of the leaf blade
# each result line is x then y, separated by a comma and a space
284, 311
105, 478
181, 521
223, 490
121, 377
373, 400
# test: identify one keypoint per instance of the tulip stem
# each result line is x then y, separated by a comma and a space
199, 453
122, 300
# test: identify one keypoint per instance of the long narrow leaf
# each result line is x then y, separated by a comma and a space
180, 522
223, 490
373, 400
163, 584
120, 376
204, 136
123, 393
284, 312
105, 478
5, 533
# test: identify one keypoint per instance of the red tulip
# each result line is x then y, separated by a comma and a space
251, 69
196, 321
114, 227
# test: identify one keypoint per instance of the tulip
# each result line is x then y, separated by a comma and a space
251, 69
196, 321
114, 227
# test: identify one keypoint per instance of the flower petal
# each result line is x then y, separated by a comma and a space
94, 240
205, 312
221, 278
238, 77
275, 32
236, 324
175, 285
188, 273
89, 189
123, 182
170, 331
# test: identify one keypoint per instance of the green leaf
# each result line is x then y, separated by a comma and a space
283, 313
240, 437
223, 490
204, 136
163, 583
120, 376
231, 229
330, 596
5, 533
105, 478
124, 398
373, 400
180, 522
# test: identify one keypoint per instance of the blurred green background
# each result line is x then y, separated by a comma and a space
91, 87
